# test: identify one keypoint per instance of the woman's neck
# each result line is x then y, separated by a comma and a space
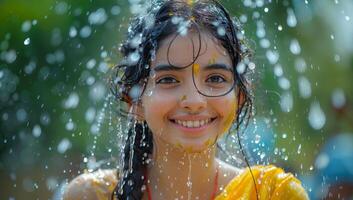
174, 173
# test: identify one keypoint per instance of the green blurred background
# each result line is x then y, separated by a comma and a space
57, 119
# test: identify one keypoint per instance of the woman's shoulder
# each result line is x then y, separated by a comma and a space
92, 186
271, 182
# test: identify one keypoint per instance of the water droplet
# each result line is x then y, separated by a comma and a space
259, 3
90, 80
221, 31
72, 101
284, 135
247, 3
21, 115
136, 41
64, 145
278, 70
10, 56
347, 18
61, 8
243, 18
338, 98
90, 114
337, 58
280, 28
91, 63
286, 102
133, 58
97, 91
291, 19
27, 41
322, 161
85, 31
262, 155
189, 183
70, 125
103, 67
37, 131
284, 83
265, 43
149, 92
272, 56
260, 32
104, 54
45, 119
317, 118
299, 149
295, 47
115, 10
26, 26
241, 68
30, 67
257, 138
252, 66
72, 31
135, 92
98, 17
304, 87
183, 28
300, 65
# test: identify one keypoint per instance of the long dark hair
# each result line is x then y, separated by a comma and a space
163, 19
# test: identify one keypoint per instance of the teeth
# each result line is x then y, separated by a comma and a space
193, 124
202, 122
196, 123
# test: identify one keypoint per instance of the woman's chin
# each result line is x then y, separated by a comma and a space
194, 148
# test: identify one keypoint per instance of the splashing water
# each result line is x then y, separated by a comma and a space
54, 99
317, 118
189, 183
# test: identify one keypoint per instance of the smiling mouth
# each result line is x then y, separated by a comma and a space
193, 123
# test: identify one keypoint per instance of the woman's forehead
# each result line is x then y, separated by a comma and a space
181, 50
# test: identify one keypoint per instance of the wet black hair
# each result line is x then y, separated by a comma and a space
163, 19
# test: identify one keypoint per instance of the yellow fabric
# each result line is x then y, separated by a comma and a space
98, 185
272, 183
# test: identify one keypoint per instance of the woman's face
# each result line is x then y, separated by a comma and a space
174, 110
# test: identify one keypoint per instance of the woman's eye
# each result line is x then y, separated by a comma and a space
167, 80
216, 79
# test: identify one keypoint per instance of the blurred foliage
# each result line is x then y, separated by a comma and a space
54, 63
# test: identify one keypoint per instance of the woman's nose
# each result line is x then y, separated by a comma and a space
191, 100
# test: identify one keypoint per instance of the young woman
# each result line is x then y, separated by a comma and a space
184, 79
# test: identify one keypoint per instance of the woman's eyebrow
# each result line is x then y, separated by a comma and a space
166, 67
217, 66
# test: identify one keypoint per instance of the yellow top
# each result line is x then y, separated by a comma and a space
271, 183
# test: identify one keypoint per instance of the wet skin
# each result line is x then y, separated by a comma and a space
171, 94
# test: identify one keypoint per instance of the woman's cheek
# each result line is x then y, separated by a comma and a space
227, 123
